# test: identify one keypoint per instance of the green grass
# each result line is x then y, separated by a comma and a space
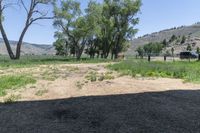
189, 71
29, 61
14, 82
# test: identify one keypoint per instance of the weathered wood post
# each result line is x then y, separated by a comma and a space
149, 58
165, 57
198, 57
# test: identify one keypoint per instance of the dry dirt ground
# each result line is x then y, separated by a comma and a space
64, 100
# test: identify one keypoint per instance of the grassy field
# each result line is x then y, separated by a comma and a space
29, 61
13, 82
189, 71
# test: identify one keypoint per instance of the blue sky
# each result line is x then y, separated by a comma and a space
155, 15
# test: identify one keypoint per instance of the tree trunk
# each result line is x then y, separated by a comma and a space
6, 41
19, 44
117, 47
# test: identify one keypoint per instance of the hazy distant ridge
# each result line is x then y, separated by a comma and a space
29, 48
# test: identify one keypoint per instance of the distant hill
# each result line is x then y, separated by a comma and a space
29, 48
191, 32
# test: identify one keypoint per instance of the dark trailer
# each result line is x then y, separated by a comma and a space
188, 55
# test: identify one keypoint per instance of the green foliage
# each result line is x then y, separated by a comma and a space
92, 76
189, 47
72, 24
189, 71
173, 38
14, 82
172, 51
153, 48
198, 50
165, 43
140, 51
60, 47
183, 39
102, 28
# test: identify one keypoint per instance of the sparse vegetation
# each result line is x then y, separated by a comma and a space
13, 82
94, 76
79, 85
11, 99
41, 92
50, 75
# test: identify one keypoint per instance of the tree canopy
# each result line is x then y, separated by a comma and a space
101, 29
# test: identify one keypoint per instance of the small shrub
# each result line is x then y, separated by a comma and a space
108, 76
12, 99
101, 77
47, 76
41, 92
79, 85
92, 76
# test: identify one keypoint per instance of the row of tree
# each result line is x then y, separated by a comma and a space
102, 29
152, 48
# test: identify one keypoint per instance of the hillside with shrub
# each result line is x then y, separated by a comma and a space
178, 38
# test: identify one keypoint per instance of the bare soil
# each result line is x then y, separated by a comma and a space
64, 100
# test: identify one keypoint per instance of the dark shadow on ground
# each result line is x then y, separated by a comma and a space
159, 112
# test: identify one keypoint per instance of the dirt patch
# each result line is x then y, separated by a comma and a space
116, 105
66, 81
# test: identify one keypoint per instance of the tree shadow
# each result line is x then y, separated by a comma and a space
156, 112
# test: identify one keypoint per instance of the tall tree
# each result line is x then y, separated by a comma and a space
34, 12
94, 20
70, 20
124, 15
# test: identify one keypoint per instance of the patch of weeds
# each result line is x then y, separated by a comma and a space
12, 99
92, 76
72, 69
50, 76
101, 77
79, 85
41, 92
86, 81
14, 82
108, 76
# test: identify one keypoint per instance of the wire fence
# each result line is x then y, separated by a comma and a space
166, 57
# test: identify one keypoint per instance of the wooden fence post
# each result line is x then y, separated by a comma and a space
149, 58
165, 58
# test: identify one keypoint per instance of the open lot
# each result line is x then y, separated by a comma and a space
90, 97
